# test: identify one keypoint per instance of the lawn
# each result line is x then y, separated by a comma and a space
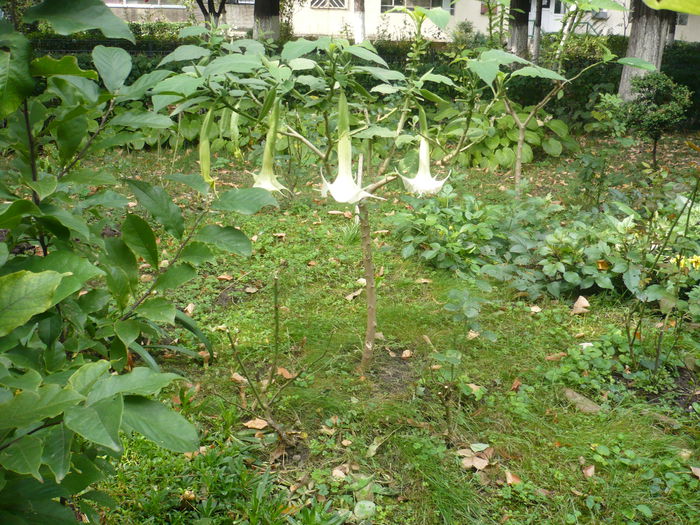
404, 443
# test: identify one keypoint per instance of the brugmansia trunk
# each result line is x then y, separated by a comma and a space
647, 40
266, 15
370, 289
537, 37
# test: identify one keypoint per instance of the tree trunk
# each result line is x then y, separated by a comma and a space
672, 31
266, 16
212, 11
647, 40
517, 40
359, 30
370, 289
537, 36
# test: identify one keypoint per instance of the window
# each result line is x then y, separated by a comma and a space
391, 4
447, 5
558, 7
326, 4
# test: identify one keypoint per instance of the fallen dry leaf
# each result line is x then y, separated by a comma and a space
516, 385
476, 462
472, 334
580, 306
250, 289
238, 378
225, 277
695, 471
311, 263
535, 309
474, 388
346, 442
354, 294
423, 281
338, 473
279, 235
588, 471
285, 373
512, 479
257, 424
582, 403
406, 354
556, 357
189, 309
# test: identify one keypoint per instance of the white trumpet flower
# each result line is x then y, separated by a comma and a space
266, 178
423, 183
345, 188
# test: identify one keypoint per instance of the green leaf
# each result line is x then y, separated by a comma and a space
227, 238
29, 380
15, 80
537, 72
156, 422
82, 271
113, 64
246, 201
385, 75
69, 135
193, 180
141, 119
98, 422
366, 54
128, 331
160, 206
205, 150
645, 511
637, 62
45, 186
82, 16
440, 79
301, 64
23, 456
84, 86
47, 66
24, 294
233, 63
682, 6
138, 89
29, 407
186, 52
87, 375
189, 324
197, 253
385, 89
375, 131
438, 16
297, 48
558, 127
175, 276
57, 450
140, 381
158, 310
552, 147
137, 234
485, 70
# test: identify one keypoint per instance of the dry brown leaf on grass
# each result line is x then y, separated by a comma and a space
535, 309
354, 294
189, 309
346, 442
238, 378
250, 289
582, 403
476, 462
257, 424
516, 385
472, 334
406, 354
556, 357
580, 306
695, 471
279, 235
588, 471
423, 281
512, 479
225, 277
281, 371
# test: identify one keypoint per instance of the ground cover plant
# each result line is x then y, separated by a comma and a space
478, 342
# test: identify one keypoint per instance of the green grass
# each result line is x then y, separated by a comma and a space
416, 475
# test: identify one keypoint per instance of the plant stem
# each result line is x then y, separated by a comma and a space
370, 288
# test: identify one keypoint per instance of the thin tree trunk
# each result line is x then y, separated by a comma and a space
537, 36
359, 29
517, 39
266, 16
370, 289
647, 40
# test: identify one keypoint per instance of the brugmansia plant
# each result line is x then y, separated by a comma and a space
76, 313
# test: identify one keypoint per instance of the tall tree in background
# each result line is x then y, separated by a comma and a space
359, 29
537, 32
266, 16
517, 39
647, 40
212, 11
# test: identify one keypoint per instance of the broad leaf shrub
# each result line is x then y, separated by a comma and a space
85, 271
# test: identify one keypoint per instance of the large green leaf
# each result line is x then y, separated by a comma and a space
140, 381
186, 52
638, 63
99, 422
682, 6
559, 127
438, 16
193, 180
197, 253
137, 234
158, 310
297, 48
113, 64
175, 276
385, 75
24, 294
79, 15
141, 119
233, 63
29, 407
69, 135
160, 206
227, 238
87, 375
57, 450
15, 80
159, 424
366, 54
552, 146
537, 72
47, 66
23, 456
246, 201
